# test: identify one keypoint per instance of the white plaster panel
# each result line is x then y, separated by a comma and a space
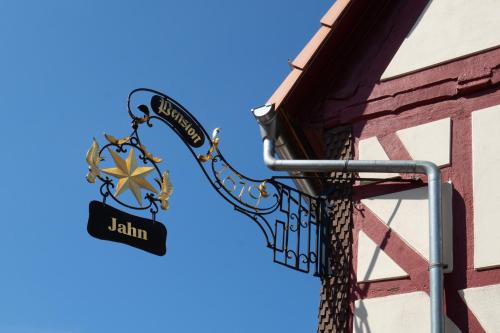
428, 142
485, 167
371, 149
373, 263
446, 30
484, 302
409, 313
407, 213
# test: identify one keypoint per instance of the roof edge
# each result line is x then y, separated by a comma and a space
307, 54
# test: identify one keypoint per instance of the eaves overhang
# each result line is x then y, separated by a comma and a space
312, 66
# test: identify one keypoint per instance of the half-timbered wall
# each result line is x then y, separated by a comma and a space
413, 80
441, 106
446, 30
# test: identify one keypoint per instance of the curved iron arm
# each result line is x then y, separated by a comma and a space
296, 234
248, 194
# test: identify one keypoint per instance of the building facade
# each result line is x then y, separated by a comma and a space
403, 80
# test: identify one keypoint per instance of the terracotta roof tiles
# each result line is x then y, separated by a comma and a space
285, 87
334, 13
300, 63
308, 51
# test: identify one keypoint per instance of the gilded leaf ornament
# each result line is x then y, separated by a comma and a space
148, 155
215, 143
116, 141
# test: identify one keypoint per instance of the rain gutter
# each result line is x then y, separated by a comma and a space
266, 117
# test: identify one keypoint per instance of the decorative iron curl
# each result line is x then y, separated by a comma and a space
305, 258
297, 216
106, 191
291, 254
248, 183
313, 258
211, 173
107, 186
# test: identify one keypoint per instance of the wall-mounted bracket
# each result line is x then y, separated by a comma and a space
294, 224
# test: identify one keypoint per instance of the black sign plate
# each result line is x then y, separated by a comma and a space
109, 223
175, 114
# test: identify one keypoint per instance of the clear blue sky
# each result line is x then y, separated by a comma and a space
66, 68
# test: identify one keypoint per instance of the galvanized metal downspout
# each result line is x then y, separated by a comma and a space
266, 117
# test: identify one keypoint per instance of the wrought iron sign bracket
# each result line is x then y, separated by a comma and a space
295, 225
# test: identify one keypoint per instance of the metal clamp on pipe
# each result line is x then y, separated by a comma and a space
266, 117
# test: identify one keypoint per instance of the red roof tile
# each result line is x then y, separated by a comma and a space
334, 12
302, 60
311, 47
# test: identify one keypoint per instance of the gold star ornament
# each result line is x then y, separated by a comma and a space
129, 175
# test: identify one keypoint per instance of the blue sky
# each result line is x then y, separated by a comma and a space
66, 69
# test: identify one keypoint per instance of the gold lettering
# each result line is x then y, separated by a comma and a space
165, 108
122, 229
169, 108
162, 105
112, 227
128, 229
179, 118
142, 234
258, 197
131, 231
174, 113
221, 171
232, 181
242, 188
198, 138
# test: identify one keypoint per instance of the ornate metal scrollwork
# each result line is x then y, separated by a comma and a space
122, 146
293, 223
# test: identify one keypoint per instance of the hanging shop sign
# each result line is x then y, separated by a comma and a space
109, 223
128, 174
294, 224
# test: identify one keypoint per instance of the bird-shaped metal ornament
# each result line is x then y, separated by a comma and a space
215, 142
148, 155
93, 159
215, 135
166, 190
116, 141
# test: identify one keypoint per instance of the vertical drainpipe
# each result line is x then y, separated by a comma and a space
266, 117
